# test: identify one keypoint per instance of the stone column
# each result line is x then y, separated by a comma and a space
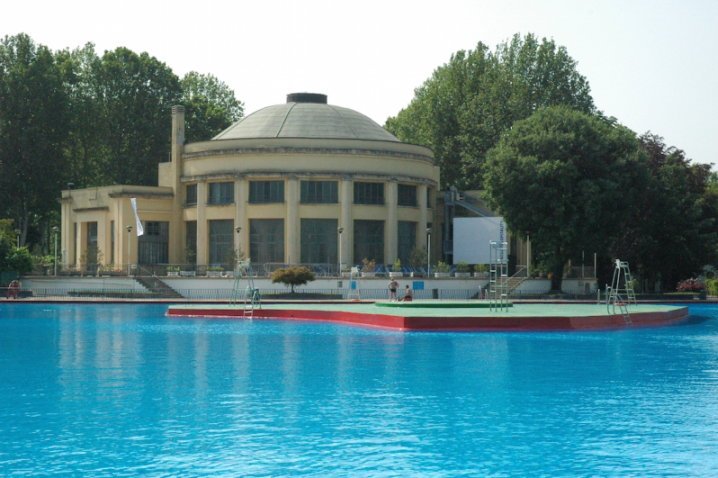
346, 198
240, 216
391, 233
423, 217
293, 227
202, 227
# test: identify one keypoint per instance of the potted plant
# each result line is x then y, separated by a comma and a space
173, 271
442, 270
396, 269
215, 271
462, 270
481, 271
368, 268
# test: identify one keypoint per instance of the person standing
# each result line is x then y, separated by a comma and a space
393, 285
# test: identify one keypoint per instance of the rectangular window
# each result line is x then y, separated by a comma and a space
190, 198
220, 193
92, 247
319, 241
266, 240
221, 242
153, 245
368, 241
190, 252
319, 192
407, 195
428, 198
368, 193
407, 240
264, 192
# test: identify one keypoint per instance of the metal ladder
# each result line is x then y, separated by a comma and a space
251, 298
498, 276
621, 297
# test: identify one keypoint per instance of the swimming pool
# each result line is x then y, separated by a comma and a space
121, 390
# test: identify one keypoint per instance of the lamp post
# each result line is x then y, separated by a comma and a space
428, 252
339, 250
129, 263
55, 229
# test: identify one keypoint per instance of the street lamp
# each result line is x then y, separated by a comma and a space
238, 230
339, 249
55, 229
428, 252
129, 263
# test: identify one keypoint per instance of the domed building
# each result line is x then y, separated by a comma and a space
303, 182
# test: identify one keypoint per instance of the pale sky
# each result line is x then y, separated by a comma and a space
652, 64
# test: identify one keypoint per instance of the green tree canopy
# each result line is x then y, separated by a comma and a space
33, 113
292, 276
210, 106
672, 232
461, 111
568, 179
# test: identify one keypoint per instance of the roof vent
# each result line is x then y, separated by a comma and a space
307, 98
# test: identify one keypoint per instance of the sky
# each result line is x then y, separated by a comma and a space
652, 64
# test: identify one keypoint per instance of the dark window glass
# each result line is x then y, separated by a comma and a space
266, 240
407, 240
368, 241
220, 193
319, 192
190, 253
407, 195
221, 242
428, 198
112, 242
368, 193
319, 241
191, 195
262, 192
153, 244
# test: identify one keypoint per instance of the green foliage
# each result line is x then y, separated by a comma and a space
210, 106
417, 257
461, 111
292, 276
396, 267
33, 110
672, 231
462, 267
567, 178
442, 267
19, 260
712, 286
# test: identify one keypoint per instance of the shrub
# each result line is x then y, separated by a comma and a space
397, 265
690, 285
368, 265
291, 276
462, 267
712, 286
442, 267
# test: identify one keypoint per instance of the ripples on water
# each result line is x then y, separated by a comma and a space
119, 390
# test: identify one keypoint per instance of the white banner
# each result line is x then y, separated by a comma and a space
472, 236
140, 229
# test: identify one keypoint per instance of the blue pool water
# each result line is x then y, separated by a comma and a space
120, 390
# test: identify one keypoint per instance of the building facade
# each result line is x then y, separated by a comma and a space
303, 182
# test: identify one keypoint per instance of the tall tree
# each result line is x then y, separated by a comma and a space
672, 232
136, 94
86, 152
33, 114
567, 179
210, 106
461, 111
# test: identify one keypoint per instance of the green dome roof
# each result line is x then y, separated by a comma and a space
306, 115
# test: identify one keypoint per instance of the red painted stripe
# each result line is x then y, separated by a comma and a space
393, 322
